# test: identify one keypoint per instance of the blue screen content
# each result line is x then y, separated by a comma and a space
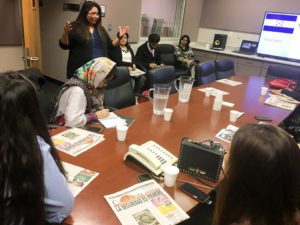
280, 36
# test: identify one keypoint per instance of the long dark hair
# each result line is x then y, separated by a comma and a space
83, 23
188, 40
21, 162
261, 183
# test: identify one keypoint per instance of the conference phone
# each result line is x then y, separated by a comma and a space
153, 156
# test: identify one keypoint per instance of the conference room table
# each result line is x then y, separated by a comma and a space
195, 120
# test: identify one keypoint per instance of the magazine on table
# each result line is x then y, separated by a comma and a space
75, 141
213, 91
281, 101
145, 203
229, 82
78, 177
227, 133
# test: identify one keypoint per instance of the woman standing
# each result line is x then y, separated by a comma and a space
80, 99
185, 55
33, 188
86, 38
261, 184
124, 56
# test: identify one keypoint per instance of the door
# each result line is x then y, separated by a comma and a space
31, 33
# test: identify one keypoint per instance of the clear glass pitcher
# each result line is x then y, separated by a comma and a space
160, 97
185, 87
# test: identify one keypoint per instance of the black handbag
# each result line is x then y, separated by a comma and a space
201, 159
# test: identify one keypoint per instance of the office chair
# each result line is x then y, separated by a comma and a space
119, 92
168, 58
224, 68
205, 73
283, 71
162, 75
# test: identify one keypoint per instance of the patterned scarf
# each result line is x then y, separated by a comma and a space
88, 77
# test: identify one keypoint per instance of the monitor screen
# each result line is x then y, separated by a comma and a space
280, 36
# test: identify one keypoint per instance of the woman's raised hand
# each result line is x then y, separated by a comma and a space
123, 30
67, 27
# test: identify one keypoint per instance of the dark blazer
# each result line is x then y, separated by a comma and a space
293, 94
80, 50
144, 57
115, 55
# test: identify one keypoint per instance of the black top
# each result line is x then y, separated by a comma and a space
293, 94
81, 50
144, 57
116, 55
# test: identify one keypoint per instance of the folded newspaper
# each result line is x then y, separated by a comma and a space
145, 203
75, 141
227, 133
281, 101
78, 177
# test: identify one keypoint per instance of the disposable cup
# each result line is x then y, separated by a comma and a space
121, 132
264, 90
233, 115
168, 114
170, 175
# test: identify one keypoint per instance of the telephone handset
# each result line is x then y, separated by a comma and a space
151, 155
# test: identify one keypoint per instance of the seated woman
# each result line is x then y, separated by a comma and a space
124, 56
33, 186
185, 55
80, 100
262, 183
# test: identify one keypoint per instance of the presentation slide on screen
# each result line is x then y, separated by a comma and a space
280, 36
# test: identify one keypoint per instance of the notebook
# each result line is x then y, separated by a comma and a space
248, 47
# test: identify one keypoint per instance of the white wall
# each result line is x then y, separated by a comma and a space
11, 58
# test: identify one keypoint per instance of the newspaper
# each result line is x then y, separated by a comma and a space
213, 91
75, 141
78, 177
136, 72
281, 101
145, 203
229, 82
227, 133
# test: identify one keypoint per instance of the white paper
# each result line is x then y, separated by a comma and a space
213, 91
229, 104
112, 120
136, 72
276, 100
229, 82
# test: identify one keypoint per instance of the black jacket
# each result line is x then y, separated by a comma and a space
80, 50
144, 57
115, 55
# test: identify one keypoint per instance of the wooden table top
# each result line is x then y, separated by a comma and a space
195, 120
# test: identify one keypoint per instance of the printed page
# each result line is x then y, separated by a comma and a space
276, 100
227, 133
136, 72
78, 177
229, 82
213, 91
145, 203
75, 141
112, 121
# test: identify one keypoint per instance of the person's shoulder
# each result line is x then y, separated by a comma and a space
44, 146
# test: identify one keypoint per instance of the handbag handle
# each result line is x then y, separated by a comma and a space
214, 145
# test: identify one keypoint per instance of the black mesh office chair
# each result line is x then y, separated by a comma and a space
224, 68
283, 71
162, 75
119, 92
168, 58
205, 73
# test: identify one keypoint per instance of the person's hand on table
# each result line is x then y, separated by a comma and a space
102, 113
276, 91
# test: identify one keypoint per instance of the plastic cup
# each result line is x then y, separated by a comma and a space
121, 132
264, 90
170, 175
168, 114
233, 115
